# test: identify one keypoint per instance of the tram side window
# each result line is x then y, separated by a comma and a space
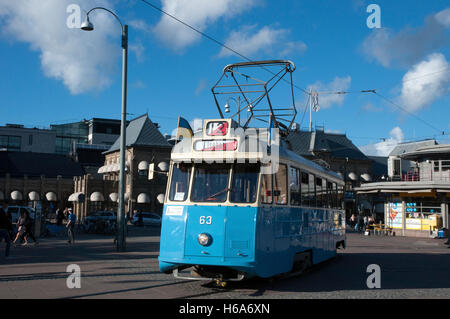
294, 186
305, 189
179, 185
340, 196
244, 183
266, 188
319, 192
280, 185
312, 191
329, 194
334, 200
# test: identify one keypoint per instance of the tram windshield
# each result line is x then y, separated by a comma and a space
210, 183
244, 183
180, 181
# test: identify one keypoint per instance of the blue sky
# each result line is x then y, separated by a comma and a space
56, 74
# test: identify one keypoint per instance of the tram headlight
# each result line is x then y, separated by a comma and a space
204, 239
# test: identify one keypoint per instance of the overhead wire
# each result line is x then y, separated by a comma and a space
374, 91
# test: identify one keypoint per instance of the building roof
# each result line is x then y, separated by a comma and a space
379, 165
435, 151
338, 145
415, 187
141, 131
37, 164
407, 147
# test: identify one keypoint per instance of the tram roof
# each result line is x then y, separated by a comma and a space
290, 155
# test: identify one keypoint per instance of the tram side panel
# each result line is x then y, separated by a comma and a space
283, 232
172, 236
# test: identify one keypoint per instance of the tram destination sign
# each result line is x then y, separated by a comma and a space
217, 128
215, 145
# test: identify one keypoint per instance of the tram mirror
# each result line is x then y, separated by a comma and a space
163, 166
151, 170
160, 198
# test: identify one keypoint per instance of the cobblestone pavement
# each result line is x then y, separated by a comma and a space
410, 268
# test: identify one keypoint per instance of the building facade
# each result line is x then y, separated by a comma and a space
417, 203
17, 138
96, 131
37, 179
145, 145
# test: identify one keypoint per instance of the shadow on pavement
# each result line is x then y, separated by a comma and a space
347, 272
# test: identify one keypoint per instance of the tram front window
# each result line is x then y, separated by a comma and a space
179, 185
210, 183
244, 183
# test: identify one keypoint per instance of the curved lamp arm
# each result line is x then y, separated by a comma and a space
97, 8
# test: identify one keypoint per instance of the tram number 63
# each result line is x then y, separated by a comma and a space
205, 220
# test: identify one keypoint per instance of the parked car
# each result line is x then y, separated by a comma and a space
102, 215
146, 218
15, 212
103, 222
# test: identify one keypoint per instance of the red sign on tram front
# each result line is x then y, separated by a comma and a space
215, 145
217, 128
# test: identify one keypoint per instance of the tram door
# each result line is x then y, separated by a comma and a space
266, 216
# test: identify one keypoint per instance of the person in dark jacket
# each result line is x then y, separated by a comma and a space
5, 228
29, 228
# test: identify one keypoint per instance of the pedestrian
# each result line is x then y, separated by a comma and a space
21, 225
356, 225
59, 217
352, 220
71, 226
29, 228
366, 222
360, 224
5, 228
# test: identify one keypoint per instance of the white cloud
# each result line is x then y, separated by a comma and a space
443, 17
138, 84
385, 147
141, 25
198, 13
408, 46
425, 82
84, 61
338, 84
201, 86
369, 107
267, 40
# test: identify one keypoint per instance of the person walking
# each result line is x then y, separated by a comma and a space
71, 226
21, 225
5, 228
352, 220
29, 228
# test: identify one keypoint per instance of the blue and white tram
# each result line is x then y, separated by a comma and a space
230, 220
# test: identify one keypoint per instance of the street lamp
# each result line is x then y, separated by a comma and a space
88, 26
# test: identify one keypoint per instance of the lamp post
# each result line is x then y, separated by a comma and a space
88, 26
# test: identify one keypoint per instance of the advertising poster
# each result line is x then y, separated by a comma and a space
395, 215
